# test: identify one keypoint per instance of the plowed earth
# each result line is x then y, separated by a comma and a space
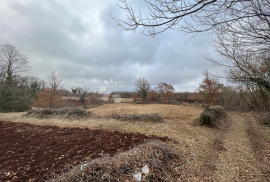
32, 152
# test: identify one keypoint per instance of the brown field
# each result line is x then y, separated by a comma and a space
126, 100
209, 154
31, 152
70, 97
165, 111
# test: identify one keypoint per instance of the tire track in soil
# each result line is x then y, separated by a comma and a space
209, 168
260, 146
238, 162
32, 152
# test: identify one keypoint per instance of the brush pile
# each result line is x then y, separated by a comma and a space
149, 162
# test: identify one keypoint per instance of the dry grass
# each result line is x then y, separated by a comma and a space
127, 100
265, 131
164, 110
70, 97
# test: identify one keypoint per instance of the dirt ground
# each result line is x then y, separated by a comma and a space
33, 152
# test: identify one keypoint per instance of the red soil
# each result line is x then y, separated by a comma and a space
33, 152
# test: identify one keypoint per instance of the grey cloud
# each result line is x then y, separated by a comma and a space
58, 36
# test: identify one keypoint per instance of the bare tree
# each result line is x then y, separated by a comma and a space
12, 62
243, 63
55, 86
54, 81
83, 94
51, 95
203, 15
142, 87
252, 33
247, 65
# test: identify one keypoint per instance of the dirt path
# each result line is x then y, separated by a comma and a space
239, 161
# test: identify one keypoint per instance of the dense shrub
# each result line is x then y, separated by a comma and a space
94, 100
189, 97
153, 96
15, 96
235, 99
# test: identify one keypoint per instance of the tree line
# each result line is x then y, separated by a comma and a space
247, 89
19, 91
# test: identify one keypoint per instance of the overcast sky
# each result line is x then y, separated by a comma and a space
80, 41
